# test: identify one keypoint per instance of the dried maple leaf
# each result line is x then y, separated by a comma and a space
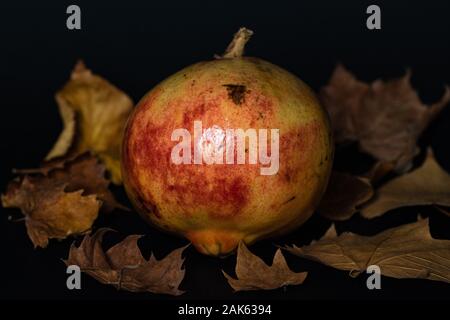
61, 201
343, 97
386, 118
82, 172
429, 184
407, 251
124, 267
94, 113
254, 274
344, 194
87, 173
50, 211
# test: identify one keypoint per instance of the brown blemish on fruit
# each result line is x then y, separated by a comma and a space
287, 176
289, 200
236, 92
260, 115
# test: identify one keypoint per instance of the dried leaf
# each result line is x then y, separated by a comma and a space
254, 274
50, 211
344, 194
386, 118
124, 267
407, 251
63, 200
429, 184
101, 111
87, 173
82, 172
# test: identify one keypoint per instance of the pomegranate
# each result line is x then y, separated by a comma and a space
229, 150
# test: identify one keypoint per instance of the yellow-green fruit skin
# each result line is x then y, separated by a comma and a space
217, 205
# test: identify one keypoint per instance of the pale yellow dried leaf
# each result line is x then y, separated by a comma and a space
101, 111
427, 185
407, 251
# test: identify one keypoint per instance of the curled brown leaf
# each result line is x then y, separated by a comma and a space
386, 118
61, 201
124, 267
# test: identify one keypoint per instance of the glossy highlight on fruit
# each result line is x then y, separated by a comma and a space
216, 206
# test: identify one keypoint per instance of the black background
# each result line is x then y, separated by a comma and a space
137, 44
